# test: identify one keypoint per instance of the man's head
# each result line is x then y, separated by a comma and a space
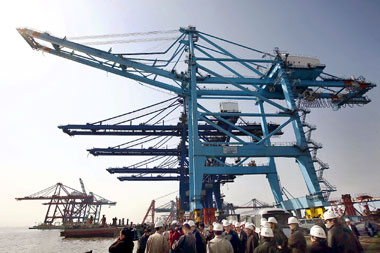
186, 228
249, 228
348, 221
201, 226
192, 225
330, 218
173, 225
237, 227
218, 228
226, 226
317, 233
159, 226
210, 228
293, 223
272, 222
266, 234
126, 233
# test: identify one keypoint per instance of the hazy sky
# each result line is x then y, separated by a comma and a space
40, 92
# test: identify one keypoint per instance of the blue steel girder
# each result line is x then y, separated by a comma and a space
278, 81
134, 152
305, 161
121, 64
158, 130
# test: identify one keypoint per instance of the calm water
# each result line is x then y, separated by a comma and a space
46, 241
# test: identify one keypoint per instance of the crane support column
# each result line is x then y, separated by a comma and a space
305, 162
195, 161
273, 178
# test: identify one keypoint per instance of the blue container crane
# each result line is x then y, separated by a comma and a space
281, 87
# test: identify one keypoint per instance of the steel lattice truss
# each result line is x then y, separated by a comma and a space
68, 206
202, 69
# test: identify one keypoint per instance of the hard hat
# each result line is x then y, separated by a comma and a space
191, 223
263, 219
185, 222
243, 223
272, 220
317, 231
237, 224
249, 226
265, 224
174, 222
347, 219
328, 215
214, 223
159, 224
293, 220
218, 227
226, 223
266, 232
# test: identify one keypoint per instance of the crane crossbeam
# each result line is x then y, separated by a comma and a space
134, 152
157, 130
145, 170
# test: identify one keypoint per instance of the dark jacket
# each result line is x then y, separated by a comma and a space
317, 247
122, 246
233, 237
209, 236
142, 243
280, 239
200, 242
354, 230
266, 247
297, 242
186, 244
252, 242
340, 239
243, 241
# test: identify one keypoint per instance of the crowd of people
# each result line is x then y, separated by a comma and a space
233, 237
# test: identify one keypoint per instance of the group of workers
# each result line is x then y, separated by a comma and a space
244, 237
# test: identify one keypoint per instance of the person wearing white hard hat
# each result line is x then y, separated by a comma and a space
174, 234
242, 237
267, 241
242, 224
339, 238
200, 240
352, 227
296, 242
157, 242
318, 240
280, 238
219, 244
231, 235
252, 238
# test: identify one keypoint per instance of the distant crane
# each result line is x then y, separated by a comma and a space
69, 206
200, 69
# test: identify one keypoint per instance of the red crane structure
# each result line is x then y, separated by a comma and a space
68, 205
